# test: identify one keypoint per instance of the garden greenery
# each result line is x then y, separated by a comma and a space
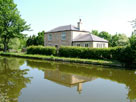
41, 50
126, 55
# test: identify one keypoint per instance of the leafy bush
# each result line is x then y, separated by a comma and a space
41, 50
128, 56
82, 52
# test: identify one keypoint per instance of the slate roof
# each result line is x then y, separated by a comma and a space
88, 37
81, 37
64, 28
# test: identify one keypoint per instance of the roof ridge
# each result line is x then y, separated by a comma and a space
64, 28
91, 36
70, 27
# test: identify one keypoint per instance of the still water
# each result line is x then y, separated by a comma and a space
25, 80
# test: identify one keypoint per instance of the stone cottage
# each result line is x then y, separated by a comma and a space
70, 35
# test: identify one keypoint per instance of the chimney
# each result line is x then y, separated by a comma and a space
79, 25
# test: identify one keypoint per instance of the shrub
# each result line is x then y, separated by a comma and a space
127, 56
116, 52
41, 50
82, 52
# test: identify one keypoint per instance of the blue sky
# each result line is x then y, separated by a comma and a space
102, 15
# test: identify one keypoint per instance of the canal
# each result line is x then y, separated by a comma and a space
26, 80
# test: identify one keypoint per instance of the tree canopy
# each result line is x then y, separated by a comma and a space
11, 23
114, 40
36, 40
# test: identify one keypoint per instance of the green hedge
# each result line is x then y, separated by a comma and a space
41, 50
95, 53
126, 55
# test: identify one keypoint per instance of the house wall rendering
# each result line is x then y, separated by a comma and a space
58, 39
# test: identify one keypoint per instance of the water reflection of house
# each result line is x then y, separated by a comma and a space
67, 79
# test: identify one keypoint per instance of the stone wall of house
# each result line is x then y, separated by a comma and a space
70, 35
56, 39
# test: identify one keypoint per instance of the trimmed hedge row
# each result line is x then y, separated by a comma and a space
90, 53
126, 55
41, 50
78, 52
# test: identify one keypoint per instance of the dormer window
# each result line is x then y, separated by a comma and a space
49, 37
63, 36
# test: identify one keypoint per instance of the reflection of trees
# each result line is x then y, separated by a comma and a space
12, 79
42, 65
127, 77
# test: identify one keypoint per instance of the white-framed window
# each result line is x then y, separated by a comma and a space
100, 45
78, 44
63, 36
86, 45
49, 37
103, 45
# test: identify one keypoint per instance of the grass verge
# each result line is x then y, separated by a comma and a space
111, 63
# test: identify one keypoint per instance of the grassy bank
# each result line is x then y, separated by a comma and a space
111, 63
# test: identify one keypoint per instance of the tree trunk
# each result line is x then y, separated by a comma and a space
5, 47
5, 43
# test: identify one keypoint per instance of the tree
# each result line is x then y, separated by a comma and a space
40, 38
11, 23
132, 40
36, 40
114, 40
103, 34
133, 23
119, 40
1, 46
12, 79
95, 32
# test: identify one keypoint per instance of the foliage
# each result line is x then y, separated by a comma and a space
41, 50
95, 32
103, 34
16, 44
12, 79
126, 55
119, 40
133, 23
23, 40
65, 59
114, 40
90, 53
36, 40
1, 45
132, 41
11, 23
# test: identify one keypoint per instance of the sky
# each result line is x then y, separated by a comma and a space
112, 16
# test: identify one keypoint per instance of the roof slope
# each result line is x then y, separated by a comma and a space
64, 28
88, 37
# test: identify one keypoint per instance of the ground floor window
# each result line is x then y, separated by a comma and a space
100, 45
78, 44
86, 45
